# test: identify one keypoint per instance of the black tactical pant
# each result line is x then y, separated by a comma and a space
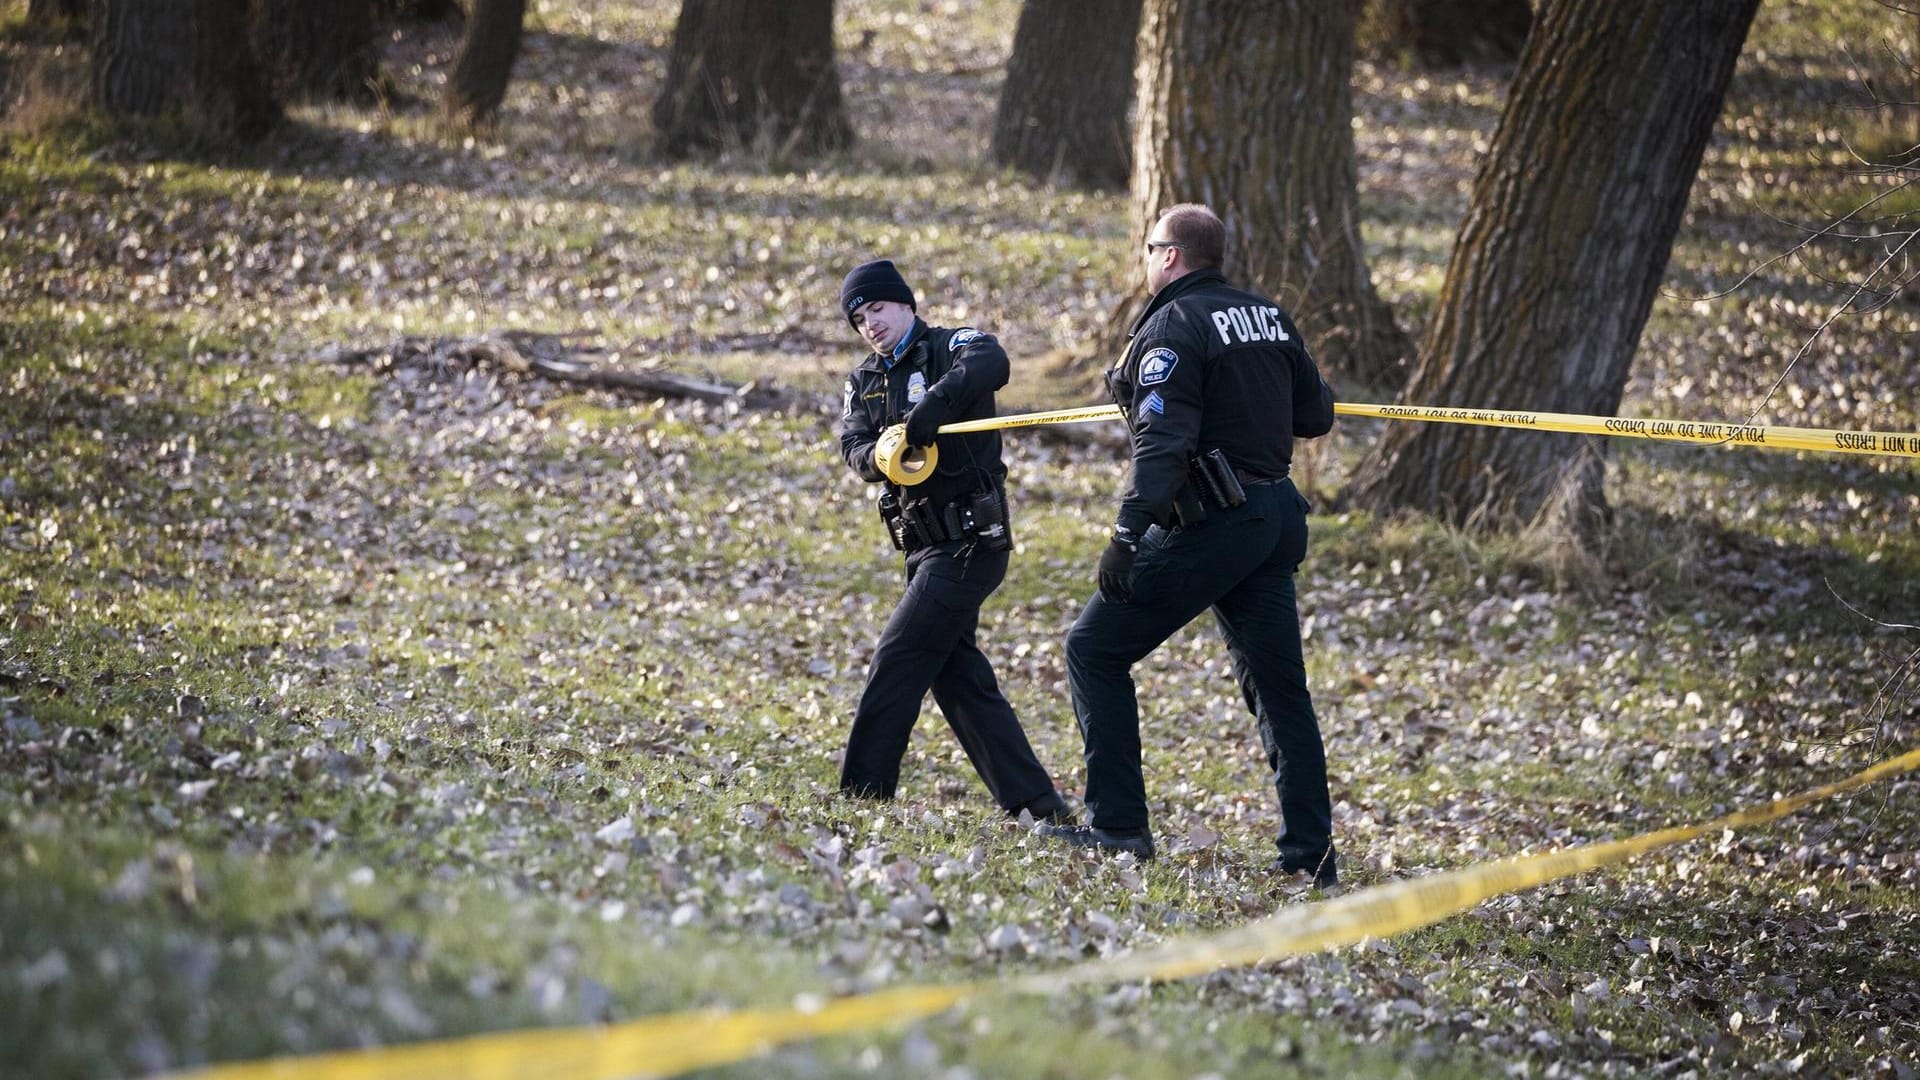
1240, 563
929, 644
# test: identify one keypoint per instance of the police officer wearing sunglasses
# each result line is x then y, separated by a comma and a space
952, 528
1216, 383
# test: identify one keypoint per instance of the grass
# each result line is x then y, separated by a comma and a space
342, 706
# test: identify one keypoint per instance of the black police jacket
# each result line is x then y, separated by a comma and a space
955, 373
1212, 367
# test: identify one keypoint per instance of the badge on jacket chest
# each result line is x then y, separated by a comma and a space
916, 387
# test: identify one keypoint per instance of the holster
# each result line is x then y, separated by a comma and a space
1188, 509
923, 525
895, 521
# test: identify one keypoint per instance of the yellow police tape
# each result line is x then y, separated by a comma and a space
654, 1046
1831, 440
677, 1042
1409, 905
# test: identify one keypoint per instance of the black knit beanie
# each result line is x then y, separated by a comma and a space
876, 280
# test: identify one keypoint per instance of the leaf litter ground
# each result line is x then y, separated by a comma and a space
343, 708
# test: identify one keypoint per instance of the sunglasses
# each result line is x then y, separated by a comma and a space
1154, 245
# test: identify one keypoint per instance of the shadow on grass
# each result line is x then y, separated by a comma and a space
1784, 572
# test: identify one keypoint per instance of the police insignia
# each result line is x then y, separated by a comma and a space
1156, 366
1153, 403
961, 337
916, 387
846, 405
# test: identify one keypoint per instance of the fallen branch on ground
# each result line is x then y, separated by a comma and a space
554, 356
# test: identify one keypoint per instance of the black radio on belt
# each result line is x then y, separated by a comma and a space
984, 518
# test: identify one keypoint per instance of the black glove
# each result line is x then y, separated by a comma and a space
923, 423
1116, 567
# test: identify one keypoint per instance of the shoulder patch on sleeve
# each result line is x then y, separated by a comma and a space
1157, 366
961, 337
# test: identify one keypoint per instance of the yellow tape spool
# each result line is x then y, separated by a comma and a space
900, 462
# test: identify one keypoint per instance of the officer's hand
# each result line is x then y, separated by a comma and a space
923, 423
887, 451
1116, 568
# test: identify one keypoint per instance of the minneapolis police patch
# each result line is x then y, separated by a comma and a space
1153, 403
1156, 366
961, 337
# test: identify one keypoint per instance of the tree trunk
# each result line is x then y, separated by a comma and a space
1256, 124
479, 81
752, 72
1452, 33
152, 57
1063, 109
320, 50
1566, 238
59, 18
417, 10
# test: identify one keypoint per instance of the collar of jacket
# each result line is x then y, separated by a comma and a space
1174, 291
903, 348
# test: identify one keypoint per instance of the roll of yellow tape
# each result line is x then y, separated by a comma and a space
903, 464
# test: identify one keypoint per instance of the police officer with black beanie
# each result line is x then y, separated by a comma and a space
953, 530
1216, 383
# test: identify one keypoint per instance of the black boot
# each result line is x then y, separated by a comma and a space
1136, 842
1324, 875
1051, 808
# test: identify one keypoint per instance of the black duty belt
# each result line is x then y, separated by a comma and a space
1248, 479
1214, 483
979, 517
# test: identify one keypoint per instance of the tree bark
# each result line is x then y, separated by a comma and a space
319, 50
1453, 33
418, 10
153, 57
752, 73
479, 81
1063, 109
1257, 124
63, 18
1566, 238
